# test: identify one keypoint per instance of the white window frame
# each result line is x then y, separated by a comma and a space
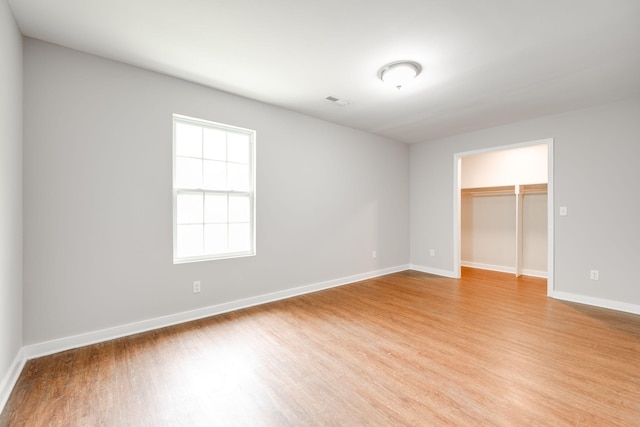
251, 193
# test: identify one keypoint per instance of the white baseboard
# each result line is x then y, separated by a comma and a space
431, 270
67, 343
597, 302
534, 273
10, 379
504, 269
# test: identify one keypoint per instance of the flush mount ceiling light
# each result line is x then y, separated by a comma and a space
399, 73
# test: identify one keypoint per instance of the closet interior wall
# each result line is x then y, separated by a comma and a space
504, 228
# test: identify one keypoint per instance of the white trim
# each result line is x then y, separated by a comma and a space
534, 273
457, 233
457, 215
75, 341
10, 379
550, 219
503, 269
597, 302
436, 271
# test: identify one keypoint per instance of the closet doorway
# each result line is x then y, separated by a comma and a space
504, 210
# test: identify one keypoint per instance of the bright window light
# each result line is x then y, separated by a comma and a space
213, 190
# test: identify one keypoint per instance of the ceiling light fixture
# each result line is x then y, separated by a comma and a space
399, 73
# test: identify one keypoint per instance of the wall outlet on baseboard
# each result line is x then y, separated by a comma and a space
432, 252
374, 254
196, 286
594, 274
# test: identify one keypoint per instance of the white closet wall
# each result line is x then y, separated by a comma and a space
534, 260
526, 165
489, 231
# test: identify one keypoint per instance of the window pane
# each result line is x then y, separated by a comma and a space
215, 208
189, 208
215, 144
215, 175
215, 238
238, 177
239, 209
238, 147
239, 237
188, 140
188, 173
189, 240
213, 185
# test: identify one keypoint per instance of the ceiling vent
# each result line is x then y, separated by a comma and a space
337, 101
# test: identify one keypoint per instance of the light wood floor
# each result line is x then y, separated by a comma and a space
404, 349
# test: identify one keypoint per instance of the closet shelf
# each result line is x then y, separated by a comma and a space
506, 190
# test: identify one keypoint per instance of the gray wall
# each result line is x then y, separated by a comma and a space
10, 190
98, 230
596, 152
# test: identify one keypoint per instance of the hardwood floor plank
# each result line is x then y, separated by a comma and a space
404, 349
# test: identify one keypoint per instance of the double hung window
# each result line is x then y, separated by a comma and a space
213, 190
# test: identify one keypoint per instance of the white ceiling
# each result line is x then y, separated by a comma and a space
485, 63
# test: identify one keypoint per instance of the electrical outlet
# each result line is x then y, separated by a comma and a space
595, 275
374, 255
563, 211
432, 252
196, 286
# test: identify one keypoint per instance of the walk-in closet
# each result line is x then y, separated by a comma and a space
503, 201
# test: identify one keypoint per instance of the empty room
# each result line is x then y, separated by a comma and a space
281, 213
